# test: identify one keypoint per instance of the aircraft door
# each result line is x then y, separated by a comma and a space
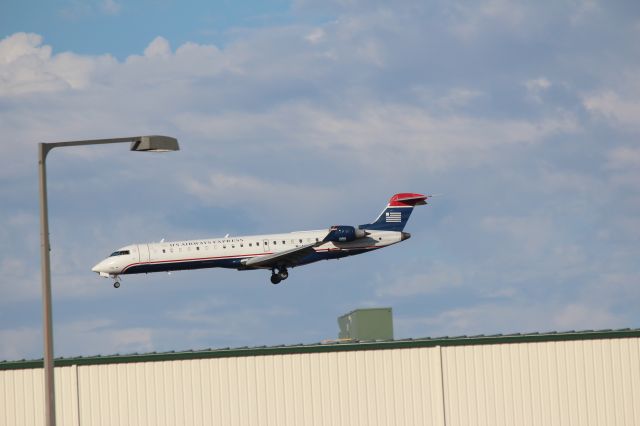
143, 250
265, 245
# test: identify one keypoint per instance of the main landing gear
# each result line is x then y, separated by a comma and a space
279, 274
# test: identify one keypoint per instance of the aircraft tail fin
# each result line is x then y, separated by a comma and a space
395, 216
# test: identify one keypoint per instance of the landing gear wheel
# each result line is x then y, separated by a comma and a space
275, 279
283, 274
116, 284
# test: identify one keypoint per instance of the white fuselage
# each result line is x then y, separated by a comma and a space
229, 252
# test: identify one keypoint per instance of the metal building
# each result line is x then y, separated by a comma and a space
573, 378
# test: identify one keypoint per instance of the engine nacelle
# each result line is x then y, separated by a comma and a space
344, 234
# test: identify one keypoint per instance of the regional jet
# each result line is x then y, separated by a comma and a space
274, 252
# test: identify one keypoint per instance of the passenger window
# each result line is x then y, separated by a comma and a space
300, 240
224, 247
250, 245
284, 242
274, 243
163, 251
316, 240
197, 248
257, 244
241, 245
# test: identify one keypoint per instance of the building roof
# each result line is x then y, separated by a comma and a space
330, 346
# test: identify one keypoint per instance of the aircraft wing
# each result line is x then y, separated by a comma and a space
287, 258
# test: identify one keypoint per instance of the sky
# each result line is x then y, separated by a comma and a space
524, 118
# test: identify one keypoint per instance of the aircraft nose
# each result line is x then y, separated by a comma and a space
97, 268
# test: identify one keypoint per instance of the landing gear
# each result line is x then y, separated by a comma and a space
116, 281
279, 274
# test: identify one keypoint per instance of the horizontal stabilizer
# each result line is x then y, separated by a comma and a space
408, 199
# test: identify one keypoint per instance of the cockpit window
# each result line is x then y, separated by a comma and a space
119, 253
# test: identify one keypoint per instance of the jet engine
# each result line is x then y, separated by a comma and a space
344, 234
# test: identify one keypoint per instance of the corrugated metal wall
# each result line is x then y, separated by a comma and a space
595, 382
591, 382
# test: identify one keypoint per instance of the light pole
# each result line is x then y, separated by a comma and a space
138, 143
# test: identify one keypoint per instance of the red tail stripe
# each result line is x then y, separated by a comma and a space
406, 199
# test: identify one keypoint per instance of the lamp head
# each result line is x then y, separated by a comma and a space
155, 143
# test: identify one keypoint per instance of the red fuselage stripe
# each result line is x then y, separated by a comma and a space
239, 256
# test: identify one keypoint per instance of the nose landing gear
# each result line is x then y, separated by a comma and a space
116, 282
279, 274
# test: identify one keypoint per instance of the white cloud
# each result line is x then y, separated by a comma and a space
286, 200
100, 336
315, 36
576, 316
510, 318
615, 108
78, 9
532, 233
380, 133
536, 87
110, 7
28, 67
568, 181
472, 19
437, 279
159, 47
623, 163
624, 158
335, 116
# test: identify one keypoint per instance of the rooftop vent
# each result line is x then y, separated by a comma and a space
367, 324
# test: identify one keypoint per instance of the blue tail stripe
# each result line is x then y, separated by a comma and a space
391, 219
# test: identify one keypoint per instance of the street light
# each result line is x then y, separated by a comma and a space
138, 143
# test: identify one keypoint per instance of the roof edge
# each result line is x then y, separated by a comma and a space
343, 346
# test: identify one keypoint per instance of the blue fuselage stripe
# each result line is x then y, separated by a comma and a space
231, 262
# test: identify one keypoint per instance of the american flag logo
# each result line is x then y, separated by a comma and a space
394, 217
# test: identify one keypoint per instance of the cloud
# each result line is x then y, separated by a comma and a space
75, 10
159, 47
614, 108
439, 278
532, 233
102, 336
110, 7
404, 135
271, 197
536, 87
28, 67
315, 36
623, 163
624, 158
515, 317
514, 111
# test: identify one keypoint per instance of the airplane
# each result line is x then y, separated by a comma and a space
275, 252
